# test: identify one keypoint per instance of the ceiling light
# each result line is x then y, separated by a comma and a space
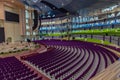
62, 4
53, 15
41, 7
79, 16
53, 7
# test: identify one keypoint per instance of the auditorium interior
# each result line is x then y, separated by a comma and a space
59, 39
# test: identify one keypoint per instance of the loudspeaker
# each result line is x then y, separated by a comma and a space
39, 22
35, 24
36, 16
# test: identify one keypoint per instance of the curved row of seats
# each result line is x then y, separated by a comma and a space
72, 60
113, 47
13, 69
111, 73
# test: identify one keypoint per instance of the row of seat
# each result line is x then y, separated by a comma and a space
116, 48
111, 73
13, 69
72, 60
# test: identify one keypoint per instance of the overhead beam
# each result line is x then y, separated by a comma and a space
53, 7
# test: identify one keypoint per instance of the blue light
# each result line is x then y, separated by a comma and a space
53, 15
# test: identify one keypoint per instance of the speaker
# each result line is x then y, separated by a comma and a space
35, 14
40, 22
35, 25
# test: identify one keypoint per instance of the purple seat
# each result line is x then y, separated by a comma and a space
61, 63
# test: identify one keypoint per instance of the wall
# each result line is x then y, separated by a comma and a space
1, 11
1, 14
14, 29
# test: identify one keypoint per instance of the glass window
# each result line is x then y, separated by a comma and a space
34, 33
117, 20
112, 21
27, 33
111, 15
118, 14
26, 7
27, 27
33, 16
27, 14
27, 21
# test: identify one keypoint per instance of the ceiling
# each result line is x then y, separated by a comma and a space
55, 8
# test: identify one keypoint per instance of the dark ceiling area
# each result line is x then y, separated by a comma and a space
57, 8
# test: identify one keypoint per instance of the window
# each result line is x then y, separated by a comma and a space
110, 8
27, 21
108, 22
117, 20
111, 15
112, 21
27, 33
118, 14
34, 33
27, 14
27, 27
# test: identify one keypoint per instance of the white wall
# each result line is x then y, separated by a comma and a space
14, 29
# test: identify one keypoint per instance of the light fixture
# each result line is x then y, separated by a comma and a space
62, 4
53, 7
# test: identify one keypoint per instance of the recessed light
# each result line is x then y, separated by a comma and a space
62, 4
53, 7
41, 7
79, 16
